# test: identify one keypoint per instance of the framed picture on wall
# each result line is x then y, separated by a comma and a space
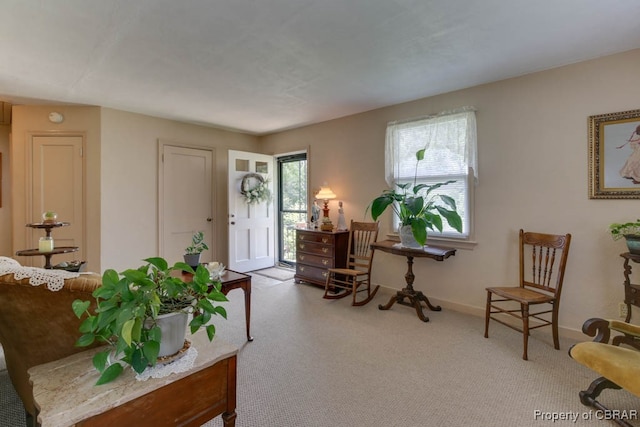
614, 155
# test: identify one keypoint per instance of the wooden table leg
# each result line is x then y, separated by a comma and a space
413, 296
247, 308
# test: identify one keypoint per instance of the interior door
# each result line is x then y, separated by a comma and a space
186, 200
57, 184
251, 226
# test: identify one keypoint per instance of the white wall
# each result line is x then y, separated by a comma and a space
533, 157
129, 182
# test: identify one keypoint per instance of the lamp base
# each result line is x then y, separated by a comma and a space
326, 226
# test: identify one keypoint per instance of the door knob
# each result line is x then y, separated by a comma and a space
209, 220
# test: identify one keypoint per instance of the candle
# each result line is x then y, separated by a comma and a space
45, 244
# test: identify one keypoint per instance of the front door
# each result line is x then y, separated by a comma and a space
251, 224
186, 200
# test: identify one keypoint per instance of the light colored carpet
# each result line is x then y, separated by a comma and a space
278, 273
317, 362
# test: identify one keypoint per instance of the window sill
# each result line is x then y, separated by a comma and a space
442, 241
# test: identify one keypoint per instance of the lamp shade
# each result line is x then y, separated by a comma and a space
325, 193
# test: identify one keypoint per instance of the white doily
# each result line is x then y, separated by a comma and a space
180, 365
54, 279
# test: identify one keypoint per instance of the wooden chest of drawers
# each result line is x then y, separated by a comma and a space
318, 250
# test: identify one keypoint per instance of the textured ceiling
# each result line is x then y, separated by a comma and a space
261, 66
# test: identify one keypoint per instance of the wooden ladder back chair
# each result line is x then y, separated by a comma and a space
543, 258
355, 277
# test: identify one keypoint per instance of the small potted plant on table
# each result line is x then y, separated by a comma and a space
131, 313
192, 252
631, 233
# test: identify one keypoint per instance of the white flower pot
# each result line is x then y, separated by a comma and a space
406, 238
174, 329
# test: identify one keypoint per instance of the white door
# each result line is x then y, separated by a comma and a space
186, 200
57, 175
251, 226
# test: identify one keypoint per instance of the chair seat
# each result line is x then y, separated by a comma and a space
522, 295
348, 272
618, 364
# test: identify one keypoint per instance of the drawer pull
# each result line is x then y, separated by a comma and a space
325, 239
301, 257
324, 274
301, 245
325, 262
301, 237
301, 268
325, 250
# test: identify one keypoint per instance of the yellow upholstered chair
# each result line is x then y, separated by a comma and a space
543, 258
619, 366
355, 277
37, 325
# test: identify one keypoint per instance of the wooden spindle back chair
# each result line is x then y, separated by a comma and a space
543, 258
355, 277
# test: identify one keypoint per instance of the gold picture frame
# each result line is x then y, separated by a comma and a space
614, 155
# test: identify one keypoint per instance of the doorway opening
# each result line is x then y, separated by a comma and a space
292, 203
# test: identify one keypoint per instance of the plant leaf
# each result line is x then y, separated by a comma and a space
150, 349
80, 307
127, 327
211, 331
85, 340
110, 374
379, 205
100, 360
159, 263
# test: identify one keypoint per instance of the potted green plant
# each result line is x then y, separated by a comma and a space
630, 231
193, 251
131, 311
418, 208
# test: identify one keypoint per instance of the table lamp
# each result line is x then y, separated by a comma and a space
326, 194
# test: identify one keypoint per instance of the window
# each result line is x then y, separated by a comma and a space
449, 140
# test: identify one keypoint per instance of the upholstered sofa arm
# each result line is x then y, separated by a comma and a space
598, 328
625, 328
601, 329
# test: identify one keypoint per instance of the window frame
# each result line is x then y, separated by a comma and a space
446, 239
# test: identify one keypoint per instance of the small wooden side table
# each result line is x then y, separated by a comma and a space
631, 291
414, 297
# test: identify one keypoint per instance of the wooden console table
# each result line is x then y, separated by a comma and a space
66, 395
414, 297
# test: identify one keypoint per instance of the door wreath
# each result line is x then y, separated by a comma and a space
255, 189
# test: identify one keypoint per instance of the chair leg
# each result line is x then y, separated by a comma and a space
328, 295
487, 315
525, 329
554, 327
